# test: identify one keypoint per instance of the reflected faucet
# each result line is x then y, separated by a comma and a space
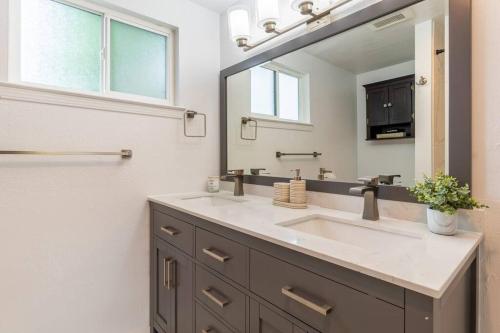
369, 192
238, 181
322, 173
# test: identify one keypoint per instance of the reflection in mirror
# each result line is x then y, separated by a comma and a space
371, 101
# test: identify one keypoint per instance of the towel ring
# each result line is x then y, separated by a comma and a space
189, 115
245, 121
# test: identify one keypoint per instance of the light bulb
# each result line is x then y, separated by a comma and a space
268, 14
305, 7
239, 25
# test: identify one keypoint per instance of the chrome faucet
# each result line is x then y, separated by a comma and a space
238, 181
322, 173
369, 192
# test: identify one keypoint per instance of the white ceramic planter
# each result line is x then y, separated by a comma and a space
441, 223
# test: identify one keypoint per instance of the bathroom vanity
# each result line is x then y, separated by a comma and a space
225, 264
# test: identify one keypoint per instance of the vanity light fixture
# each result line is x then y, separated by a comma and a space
268, 14
239, 25
268, 18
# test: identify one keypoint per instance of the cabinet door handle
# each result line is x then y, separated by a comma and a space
321, 309
208, 330
389, 104
219, 302
168, 267
385, 105
170, 231
217, 255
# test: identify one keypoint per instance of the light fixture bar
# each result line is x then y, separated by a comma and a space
312, 17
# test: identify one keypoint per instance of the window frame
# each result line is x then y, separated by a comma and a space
303, 94
14, 63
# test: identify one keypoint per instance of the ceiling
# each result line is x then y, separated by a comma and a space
216, 5
363, 49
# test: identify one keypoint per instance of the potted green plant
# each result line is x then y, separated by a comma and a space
444, 196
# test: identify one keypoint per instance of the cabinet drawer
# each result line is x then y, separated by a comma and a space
174, 231
321, 303
207, 323
223, 255
222, 298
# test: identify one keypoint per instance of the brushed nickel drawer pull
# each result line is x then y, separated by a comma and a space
167, 272
220, 303
322, 309
170, 231
220, 257
208, 330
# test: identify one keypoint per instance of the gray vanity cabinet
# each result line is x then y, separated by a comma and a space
206, 278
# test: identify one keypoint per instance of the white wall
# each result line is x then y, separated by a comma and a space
389, 156
332, 113
74, 242
486, 148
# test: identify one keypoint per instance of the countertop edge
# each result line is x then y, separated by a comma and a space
422, 289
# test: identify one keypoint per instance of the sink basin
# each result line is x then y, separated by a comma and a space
370, 236
214, 200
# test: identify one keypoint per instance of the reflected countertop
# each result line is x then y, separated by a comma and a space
427, 264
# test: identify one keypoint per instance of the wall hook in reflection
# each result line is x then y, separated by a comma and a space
246, 121
422, 81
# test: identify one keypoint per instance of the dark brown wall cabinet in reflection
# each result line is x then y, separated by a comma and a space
390, 109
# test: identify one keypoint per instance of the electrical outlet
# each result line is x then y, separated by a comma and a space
316, 24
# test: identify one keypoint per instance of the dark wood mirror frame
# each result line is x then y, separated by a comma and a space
460, 141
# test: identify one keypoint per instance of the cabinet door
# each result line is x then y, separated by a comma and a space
173, 306
401, 102
376, 106
264, 320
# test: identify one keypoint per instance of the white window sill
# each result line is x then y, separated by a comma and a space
50, 96
276, 123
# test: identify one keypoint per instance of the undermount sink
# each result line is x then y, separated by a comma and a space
214, 200
369, 236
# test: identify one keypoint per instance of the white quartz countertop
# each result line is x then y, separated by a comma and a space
427, 264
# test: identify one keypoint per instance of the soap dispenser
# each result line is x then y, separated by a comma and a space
297, 189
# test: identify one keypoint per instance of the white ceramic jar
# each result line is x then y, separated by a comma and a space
213, 184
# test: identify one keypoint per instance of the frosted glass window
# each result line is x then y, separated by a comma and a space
60, 45
138, 61
288, 97
263, 91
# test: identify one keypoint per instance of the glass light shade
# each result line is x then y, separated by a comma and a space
267, 11
239, 23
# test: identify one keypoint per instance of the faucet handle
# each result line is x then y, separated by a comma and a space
369, 181
257, 171
236, 172
388, 179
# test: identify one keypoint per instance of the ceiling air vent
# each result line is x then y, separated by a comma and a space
391, 20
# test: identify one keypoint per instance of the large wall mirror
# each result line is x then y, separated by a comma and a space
376, 98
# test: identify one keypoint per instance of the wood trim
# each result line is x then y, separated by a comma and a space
460, 157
